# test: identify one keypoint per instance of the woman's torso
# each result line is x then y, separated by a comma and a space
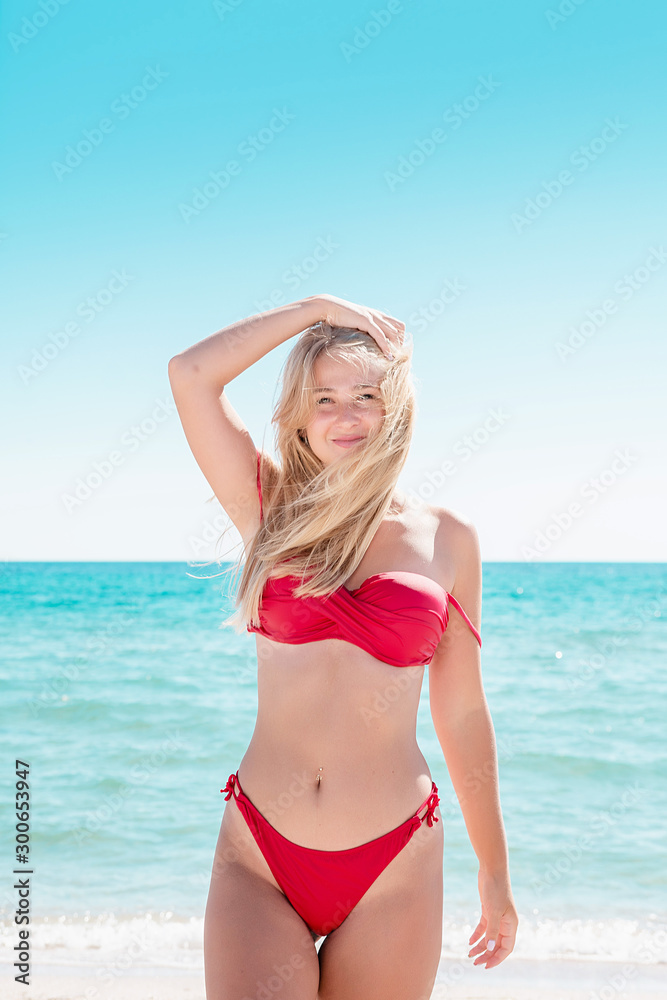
333, 710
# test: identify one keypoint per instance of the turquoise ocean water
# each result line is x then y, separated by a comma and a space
132, 707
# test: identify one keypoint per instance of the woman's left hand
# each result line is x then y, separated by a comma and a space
495, 934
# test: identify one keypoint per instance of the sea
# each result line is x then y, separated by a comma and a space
125, 706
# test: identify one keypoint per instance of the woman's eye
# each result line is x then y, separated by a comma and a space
366, 395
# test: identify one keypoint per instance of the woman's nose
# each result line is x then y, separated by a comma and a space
350, 406
349, 414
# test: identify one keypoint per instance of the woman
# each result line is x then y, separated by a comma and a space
334, 828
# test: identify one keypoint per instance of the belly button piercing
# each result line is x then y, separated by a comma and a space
319, 778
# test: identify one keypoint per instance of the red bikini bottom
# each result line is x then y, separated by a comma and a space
324, 886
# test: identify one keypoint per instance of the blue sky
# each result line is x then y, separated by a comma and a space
492, 174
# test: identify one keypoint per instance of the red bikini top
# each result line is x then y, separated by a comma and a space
397, 617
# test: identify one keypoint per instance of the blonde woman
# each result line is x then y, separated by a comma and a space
349, 591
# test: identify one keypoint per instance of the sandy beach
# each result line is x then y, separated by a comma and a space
519, 980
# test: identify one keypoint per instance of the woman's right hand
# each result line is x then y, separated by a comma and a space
386, 331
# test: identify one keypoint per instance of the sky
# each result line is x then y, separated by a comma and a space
492, 174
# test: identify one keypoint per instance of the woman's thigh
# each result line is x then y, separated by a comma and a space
255, 943
390, 944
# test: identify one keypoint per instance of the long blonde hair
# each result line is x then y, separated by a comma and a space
319, 520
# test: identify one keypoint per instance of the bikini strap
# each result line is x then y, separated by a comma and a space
232, 781
462, 612
432, 801
259, 485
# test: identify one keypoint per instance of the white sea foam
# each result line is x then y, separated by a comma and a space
111, 944
616, 940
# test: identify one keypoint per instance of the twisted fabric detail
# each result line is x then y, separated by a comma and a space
433, 801
229, 787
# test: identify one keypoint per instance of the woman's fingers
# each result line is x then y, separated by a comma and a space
478, 949
478, 931
485, 956
393, 332
383, 341
494, 956
395, 324
379, 329
500, 953
390, 319
385, 329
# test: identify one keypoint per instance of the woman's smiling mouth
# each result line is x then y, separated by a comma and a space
346, 442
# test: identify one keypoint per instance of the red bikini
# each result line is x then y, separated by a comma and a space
324, 886
399, 618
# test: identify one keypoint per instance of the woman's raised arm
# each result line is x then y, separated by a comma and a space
218, 437
218, 359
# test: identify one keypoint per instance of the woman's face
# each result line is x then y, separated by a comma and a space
347, 406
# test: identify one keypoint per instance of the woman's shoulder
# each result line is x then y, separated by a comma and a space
448, 518
456, 537
450, 530
451, 518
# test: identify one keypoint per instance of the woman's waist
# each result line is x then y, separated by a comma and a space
334, 800
299, 736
